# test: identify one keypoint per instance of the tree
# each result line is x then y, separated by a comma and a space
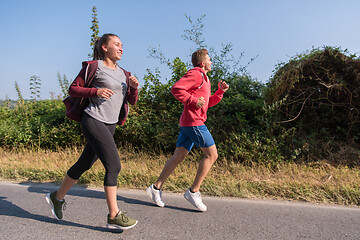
64, 84
7, 101
35, 84
195, 32
21, 99
153, 122
95, 29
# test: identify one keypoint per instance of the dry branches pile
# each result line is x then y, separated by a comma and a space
319, 94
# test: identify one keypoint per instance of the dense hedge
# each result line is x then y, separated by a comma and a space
38, 124
310, 112
153, 123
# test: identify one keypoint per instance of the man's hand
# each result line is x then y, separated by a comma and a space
200, 103
134, 83
223, 86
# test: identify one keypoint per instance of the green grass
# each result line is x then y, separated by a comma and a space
318, 182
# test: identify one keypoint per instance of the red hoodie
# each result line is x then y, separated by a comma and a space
188, 89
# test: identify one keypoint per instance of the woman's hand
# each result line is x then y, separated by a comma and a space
104, 92
134, 83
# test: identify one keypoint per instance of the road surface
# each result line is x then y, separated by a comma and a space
24, 214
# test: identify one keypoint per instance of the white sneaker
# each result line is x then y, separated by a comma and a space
155, 195
195, 199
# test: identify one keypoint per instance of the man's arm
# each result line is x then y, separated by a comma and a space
181, 87
218, 95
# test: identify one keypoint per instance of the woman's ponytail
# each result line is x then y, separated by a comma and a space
98, 50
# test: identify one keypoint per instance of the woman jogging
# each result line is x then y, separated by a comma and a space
106, 89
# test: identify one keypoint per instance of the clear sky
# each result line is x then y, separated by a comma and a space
44, 37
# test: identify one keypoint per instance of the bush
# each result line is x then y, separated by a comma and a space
317, 95
38, 124
153, 123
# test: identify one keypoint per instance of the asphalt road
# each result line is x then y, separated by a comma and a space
24, 214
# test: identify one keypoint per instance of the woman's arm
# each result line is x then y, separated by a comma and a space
77, 88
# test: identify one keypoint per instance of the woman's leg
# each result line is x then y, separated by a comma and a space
111, 200
100, 137
65, 186
84, 163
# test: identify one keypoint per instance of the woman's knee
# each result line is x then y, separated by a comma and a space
77, 170
112, 173
114, 168
111, 178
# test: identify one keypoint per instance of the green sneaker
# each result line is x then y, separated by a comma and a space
121, 221
56, 206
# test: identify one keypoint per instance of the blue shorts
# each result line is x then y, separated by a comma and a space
198, 135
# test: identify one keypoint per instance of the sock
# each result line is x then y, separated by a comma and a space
156, 188
191, 190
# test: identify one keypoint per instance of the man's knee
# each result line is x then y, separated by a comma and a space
213, 156
211, 153
180, 153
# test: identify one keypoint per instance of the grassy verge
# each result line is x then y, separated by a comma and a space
316, 182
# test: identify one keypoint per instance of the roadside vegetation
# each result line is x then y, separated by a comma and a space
295, 137
318, 182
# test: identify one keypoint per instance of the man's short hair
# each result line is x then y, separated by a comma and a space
198, 56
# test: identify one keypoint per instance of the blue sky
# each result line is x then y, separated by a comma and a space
44, 37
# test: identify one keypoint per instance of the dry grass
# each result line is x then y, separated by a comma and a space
317, 182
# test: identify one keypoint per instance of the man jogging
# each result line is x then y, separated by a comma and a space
193, 90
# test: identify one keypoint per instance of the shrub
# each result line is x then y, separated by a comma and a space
317, 94
38, 124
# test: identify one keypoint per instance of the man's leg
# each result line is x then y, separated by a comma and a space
178, 156
193, 194
154, 191
210, 157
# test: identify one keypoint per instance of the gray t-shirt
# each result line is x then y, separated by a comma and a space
102, 109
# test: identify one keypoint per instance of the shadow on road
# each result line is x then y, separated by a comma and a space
82, 191
9, 209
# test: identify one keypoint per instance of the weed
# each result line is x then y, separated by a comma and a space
315, 182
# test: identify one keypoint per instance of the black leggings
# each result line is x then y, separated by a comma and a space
100, 144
